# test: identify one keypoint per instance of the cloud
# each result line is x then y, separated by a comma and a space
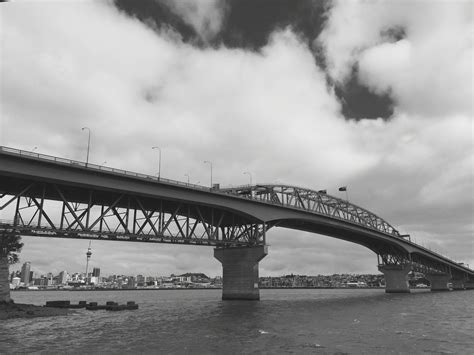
270, 113
206, 17
428, 72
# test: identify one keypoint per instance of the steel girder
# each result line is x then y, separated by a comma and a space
417, 262
315, 202
125, 218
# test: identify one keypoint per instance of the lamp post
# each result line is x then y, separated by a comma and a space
88, 144
34, 149
210, 163
159, 161
188, 177
250, 175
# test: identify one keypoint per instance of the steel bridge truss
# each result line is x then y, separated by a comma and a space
125, 217
316, 202
389, 255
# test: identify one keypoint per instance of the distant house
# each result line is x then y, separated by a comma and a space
356, 284
194, 278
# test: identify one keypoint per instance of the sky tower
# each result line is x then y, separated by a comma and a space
88, 255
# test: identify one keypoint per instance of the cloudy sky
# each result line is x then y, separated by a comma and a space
375, 95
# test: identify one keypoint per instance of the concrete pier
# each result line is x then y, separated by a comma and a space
396, 278
240, 272
439, 282
4, 279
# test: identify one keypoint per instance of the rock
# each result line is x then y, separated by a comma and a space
19, 310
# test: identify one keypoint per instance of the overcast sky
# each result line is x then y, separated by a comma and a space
375, 95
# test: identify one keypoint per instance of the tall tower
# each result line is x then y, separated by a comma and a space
25, 273
88, 255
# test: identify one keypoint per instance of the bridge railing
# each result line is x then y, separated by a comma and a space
76, 163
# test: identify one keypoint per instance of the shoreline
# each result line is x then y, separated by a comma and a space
22, 310
195, 288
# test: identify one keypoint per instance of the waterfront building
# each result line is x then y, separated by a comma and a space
25, 273
96, 272
62, 278
94, 280
40, 282
15, 282
131, 283
140, 280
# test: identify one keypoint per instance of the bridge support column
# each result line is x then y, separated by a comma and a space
240, 272
4, 279
396, 278
438, 282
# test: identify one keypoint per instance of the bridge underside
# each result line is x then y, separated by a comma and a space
53, 210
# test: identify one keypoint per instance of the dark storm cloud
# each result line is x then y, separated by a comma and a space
248, 24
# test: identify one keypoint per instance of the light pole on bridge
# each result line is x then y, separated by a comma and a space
210, 163
187, 175
88, 143
250, 176
159, 161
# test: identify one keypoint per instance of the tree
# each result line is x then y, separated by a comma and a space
10, 246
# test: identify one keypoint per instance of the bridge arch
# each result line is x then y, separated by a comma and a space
316, 202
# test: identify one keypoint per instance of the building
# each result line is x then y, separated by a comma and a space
96, 272
25, 273
131, 282
15, 282
141, 281
62, 278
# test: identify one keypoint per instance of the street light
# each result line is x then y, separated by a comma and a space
188, 177
34, 149
210, 163
88, 144
159, 161
250, 175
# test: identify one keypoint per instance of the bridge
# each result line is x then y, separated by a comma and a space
53, 197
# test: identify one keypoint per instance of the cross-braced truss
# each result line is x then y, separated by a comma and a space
314, 201
49, 210
389, 255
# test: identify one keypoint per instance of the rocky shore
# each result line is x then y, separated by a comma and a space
19, 310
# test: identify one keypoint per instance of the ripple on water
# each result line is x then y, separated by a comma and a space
285, 321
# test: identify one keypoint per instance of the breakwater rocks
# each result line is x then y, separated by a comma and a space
93, 306
12, 310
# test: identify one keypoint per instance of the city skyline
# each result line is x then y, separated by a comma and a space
281, 104
94, 277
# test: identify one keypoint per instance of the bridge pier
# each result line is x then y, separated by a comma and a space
396, 278
438, 281
240, 271
4, 279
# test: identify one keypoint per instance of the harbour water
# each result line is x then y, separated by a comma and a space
298, 321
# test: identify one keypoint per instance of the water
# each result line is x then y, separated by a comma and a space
333, 321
